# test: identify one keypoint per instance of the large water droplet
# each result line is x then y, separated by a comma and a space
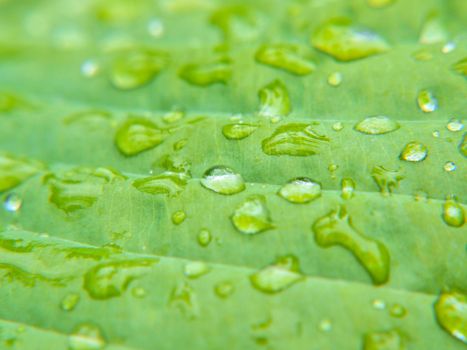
238, 131
223, 180
14, 170
289, 57
86, 337
336, 228
385, 340
348, 188
298, 140
300, 190
427, 102
195, 269
279, 276
204, 237
344, 41
453, 213
377, 125
178, 217
455, 125
69, 302
12, 203
224, 289
449, 167
414, 152
337, 126
169, 184
451, 314
136, 135
252, 216
205, 74
274, 100
386, 179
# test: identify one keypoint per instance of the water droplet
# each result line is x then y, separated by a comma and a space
325, 325
252, 216
298, 140
169, 184
223, 180
387, 180
155, 27
379, 304
460, 67
184, 298
205, 74
204, 237
451, 314
377, 125
279, 276
448, 47
110, 280
138, 292
335, 79
86, 337
380, 3
238, 131
274, 100
398, 311
224, 289
385, 340
455, 125
178, 217
337, 126
463, 145
453, 213
450, 167
332, 168
427, 101
348, 188
69, 302
414, 152
433, 31
14, 170
300, 190
134, 68
289, 57
339, 38
173, 116
195, 269
336, 228
90, 68
180, 144
136, 135
435, 133
12, 203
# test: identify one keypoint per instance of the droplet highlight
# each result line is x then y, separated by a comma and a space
426, 101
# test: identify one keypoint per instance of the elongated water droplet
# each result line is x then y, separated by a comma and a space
337, 126
449, 167
335, 79
336, 228
300, 190
414, 152
204, 237
377, 125
238, 131
298, 140
252, 216
386, 179
178, 217
460, 67
385, 340
451, 314
279, 276
195, 269
463, 145
274, 100
427, 102
224, 289
136, 135
453, 213
205, 74
169, 184
341, 39
398, 311
455, 125
348, 188
325, 325
86, 337
12, 203
14, 170
223, 180
69, 302
289, 57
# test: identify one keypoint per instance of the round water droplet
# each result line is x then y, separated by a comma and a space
325, 325
448, 47
427, 101
195, 269
377, 125
69, 302
455, 125
435, 133
379, 304
414, 152
86, 337
300, 190
450, 166
138, 292
178, 217
398, 311
335, 79
90, 68
12, 203
223, 180
337, 126
204, 237
155, 27
453, 213
252, 216
451, 314
224, 289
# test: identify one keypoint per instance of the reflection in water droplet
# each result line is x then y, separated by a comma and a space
195, 269
86, 337
223, 180
414, 152
451, 314
427, 101
90, 68
450, 166
384, 340
348, 188
238, 131
69, 302
398, 311
379, 304
252, 216
455, 125
12, 203
204, 237
337, 126
376, 125
178, 217
300, 190
335, 79
453, 213
224, 289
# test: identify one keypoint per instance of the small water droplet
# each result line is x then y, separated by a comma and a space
450, 167
414, 152
335, 79
204, 237
252, 216
348, 188
435, 133
90, 68
453, 213
448, 47
195, 269
325, 325
427, 101
224, 289
275, 120
178, 217
398, 311
384, 340
173, 116
377, 125
138, 292
155, 27
455, 125
274, 100
451, 314
223, 180
337, 126
379, 304
300, 190
69, 302
180, 144
238, 131
86, 337
12, 203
